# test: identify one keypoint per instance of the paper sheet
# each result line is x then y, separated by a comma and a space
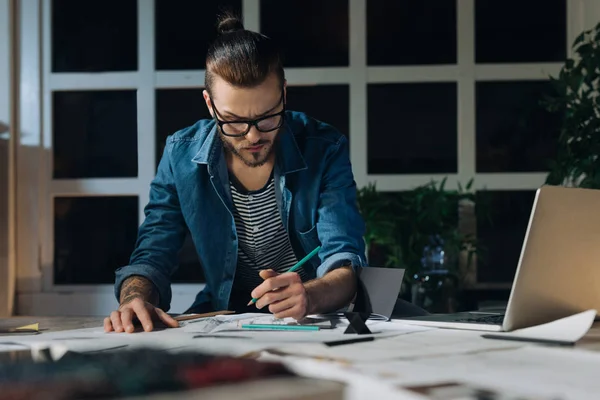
411, 343
563, 331
533, 372
216, 335
12, 346
96, 340
226, 326
229, 322
360, 386
527, 373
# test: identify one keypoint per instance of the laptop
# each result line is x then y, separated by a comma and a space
558, 273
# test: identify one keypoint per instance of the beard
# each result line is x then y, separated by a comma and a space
251, 159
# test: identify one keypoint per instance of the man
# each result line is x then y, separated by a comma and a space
259, 187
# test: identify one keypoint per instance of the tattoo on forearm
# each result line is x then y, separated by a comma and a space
138, 287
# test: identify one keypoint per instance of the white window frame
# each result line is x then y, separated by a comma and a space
37, 294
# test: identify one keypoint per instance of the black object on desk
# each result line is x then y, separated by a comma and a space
357, 323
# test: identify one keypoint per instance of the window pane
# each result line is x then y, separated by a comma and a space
513, 31
93, 236
95, 134
176, 109
327, 103
92, 36
185, 30
311, 33
411, 32
412, 128
514, 132
502, 218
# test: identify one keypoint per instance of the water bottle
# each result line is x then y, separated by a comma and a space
434, 287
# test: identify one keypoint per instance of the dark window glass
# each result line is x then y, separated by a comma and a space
176, 109
95, 134
327, 103
94, 36
311, 33
411, 32
514, 131
513, 31
185, 29
93, 236
412, 128
502, 218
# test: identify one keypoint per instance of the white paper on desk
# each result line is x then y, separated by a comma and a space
535, 372
359, 385
206, 345
411, 344
566, 330
233, 329
225, 322
11, 346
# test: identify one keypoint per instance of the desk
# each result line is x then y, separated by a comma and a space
322, 379
295, 388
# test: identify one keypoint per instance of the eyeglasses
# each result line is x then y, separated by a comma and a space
240, 128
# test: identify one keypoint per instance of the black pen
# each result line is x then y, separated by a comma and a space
349, 341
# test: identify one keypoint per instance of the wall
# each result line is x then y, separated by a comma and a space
6, 204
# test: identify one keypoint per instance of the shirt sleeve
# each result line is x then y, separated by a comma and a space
160, 236
340, 226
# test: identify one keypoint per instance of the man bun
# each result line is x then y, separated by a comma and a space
229, 23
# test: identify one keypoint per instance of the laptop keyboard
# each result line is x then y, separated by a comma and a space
488, 319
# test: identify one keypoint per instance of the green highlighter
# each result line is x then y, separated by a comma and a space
295, 267
277, 327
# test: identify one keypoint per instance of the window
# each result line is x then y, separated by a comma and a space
514, 132
422, 92
327, 103
411, 32
93, 236
299, 27
183, 32
412, 128
91, 37
505, 36
95, 134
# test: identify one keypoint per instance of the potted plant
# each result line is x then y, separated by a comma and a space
576, 99
401, 226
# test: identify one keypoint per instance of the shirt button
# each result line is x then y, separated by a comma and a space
255, 229
250, 197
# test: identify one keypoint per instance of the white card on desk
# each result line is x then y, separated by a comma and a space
564, 331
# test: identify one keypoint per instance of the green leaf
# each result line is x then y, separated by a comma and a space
579, 39
470, 184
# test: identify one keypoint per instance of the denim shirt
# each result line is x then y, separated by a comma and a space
316, 195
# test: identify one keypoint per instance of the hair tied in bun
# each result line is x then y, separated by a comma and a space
229, 23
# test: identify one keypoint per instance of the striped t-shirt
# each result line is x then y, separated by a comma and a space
263, 242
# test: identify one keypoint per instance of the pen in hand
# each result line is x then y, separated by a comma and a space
295, 267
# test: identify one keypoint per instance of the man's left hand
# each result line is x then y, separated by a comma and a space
284, 294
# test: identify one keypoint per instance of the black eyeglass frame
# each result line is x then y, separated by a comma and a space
250, 122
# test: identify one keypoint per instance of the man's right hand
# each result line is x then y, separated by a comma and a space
138, 300
122, 320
